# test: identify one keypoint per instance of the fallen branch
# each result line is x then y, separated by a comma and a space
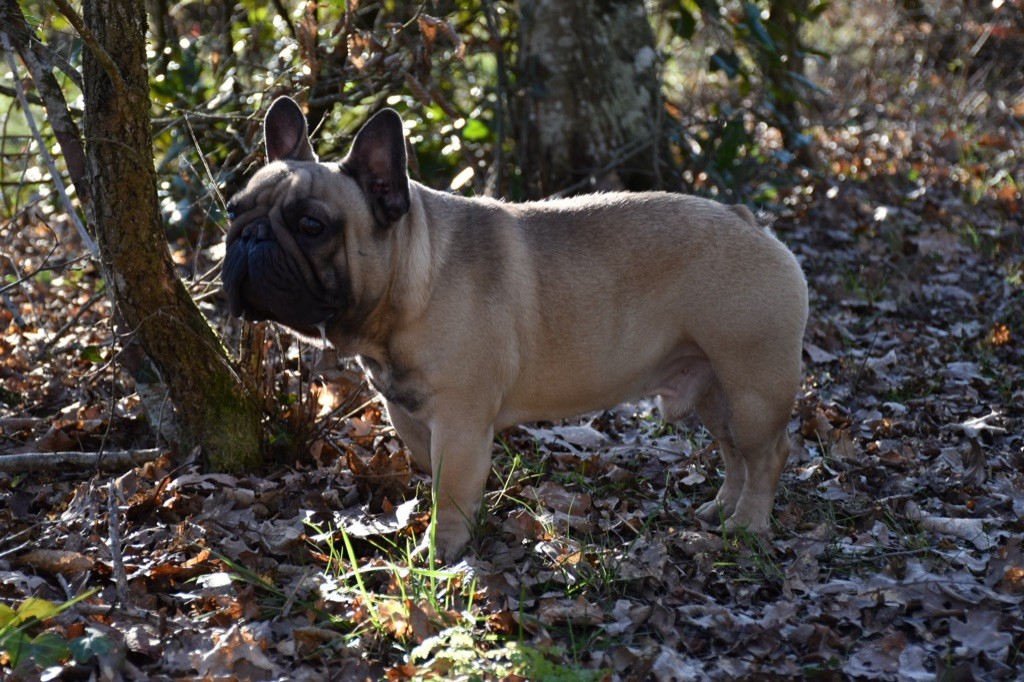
55, 461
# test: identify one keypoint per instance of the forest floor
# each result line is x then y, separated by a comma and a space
898, 524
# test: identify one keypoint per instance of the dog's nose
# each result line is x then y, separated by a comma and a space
258, 230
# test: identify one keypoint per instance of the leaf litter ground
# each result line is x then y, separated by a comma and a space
897, 552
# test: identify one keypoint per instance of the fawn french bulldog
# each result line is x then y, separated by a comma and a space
473, 315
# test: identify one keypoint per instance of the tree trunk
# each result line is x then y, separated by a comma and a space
590, 100
211, 404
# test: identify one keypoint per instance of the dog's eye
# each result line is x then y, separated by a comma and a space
232, 212
310, 227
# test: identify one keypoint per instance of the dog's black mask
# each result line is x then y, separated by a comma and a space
274, 277
282, 261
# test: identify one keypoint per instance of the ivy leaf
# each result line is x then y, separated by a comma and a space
16, 645
685, 25
92, 643
48, 649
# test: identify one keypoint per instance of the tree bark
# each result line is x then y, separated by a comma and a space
590, 99
211, 404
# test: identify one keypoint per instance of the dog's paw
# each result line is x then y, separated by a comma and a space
714, 511
449, 542
761, 527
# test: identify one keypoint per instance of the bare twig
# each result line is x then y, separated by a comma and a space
213, 183
57, 267
24, 278
44, 152
9, 304
90, 41
114, 523
283, 12
58, 461
110, 610
11, 92
621, 155
70, 323
39, 58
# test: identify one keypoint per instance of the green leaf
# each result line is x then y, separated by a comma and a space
816, 10
734, 137
17, 645
91, 354
48, 649
92, 643
475, 131
7, 616
40, 609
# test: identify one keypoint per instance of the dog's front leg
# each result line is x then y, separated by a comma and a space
414, 434
460, 461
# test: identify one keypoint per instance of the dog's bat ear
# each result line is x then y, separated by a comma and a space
378, 162
284, 129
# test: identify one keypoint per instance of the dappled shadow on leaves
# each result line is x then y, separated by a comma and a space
897, 549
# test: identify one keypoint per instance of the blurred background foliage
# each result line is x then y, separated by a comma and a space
744, 86
448, 68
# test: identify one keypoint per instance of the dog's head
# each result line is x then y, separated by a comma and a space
308, 241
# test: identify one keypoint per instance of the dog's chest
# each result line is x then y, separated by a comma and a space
393, 382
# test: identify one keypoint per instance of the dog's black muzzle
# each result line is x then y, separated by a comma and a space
263, 281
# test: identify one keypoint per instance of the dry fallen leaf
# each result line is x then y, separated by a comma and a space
56, 561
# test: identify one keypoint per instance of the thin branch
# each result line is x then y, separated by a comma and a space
282, 11
24, 278
110, 610
117, 560
39, 60
97, 295
9, 304
45, 153
621, 155
11, 92
61, 461
89, 39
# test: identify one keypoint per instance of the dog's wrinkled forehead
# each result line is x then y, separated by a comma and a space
282, 181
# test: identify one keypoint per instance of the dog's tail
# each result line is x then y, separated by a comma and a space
763, 219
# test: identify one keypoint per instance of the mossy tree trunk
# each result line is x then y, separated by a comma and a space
590, 104
211, 404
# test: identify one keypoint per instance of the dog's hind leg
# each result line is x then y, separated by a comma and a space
713, 410
757, 425
693, 384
